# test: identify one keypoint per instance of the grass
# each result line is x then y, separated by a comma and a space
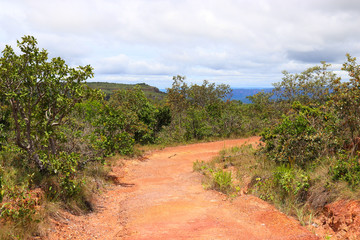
220, 173
297, 192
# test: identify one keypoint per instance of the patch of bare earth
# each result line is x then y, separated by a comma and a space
339, 220
162, 198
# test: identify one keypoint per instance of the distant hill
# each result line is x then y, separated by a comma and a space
242, 93
157, 95
108, 88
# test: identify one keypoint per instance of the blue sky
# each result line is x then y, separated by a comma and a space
238, 42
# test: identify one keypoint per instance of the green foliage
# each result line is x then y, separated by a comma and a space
346, 101
41, 95
19, 207
292, 181
215, 178
347, 169
65, 166
152, 93
195, 126
284, 183
46, 138
199, 166
264, 189
139, 113
110, 133
222, 181
4, 123
2, 190
199, 111
301, 137
162, 117
312, 86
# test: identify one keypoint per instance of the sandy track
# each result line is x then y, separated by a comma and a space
162, 198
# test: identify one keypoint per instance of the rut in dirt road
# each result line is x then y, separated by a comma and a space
162, 198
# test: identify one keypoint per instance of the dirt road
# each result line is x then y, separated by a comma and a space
162, 198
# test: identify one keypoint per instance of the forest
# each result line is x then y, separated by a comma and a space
57, 135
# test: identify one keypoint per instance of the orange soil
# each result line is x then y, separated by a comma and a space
162, 198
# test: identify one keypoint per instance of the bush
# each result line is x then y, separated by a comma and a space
301, 137
19, 207
292, 182
347, 169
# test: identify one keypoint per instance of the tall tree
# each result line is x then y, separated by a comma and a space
41, 95
346, 100
311, 86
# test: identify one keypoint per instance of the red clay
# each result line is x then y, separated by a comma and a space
340, 220
162, 198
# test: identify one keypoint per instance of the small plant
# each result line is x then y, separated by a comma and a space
222, 181
198, 166
291, 181
264, 189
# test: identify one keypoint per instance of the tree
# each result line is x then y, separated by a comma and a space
196, 110
346, 100
139, 113
312, 86
41, 95
208, 93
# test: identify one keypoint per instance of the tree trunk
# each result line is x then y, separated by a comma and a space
36, 159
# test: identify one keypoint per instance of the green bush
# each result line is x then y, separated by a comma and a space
292, 182
18, 207
284, 183
301, 137
347, 169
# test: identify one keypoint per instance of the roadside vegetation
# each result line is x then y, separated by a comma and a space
57, 134
309, 155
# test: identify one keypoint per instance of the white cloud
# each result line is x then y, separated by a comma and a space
122, 64
241, 42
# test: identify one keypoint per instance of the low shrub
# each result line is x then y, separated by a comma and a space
347, 169
222, 181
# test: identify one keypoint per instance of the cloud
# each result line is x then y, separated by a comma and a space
316, 56
241, 42
122, 64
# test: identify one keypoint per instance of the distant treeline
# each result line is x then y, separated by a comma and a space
155, 93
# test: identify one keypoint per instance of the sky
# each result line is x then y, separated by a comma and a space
243, 43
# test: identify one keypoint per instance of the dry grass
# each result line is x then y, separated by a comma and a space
253, 173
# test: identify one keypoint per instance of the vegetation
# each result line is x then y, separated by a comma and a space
56, 133
151, 92
311, 151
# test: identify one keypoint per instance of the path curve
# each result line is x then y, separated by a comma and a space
162, 198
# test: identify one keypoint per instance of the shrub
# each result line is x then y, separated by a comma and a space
222, 181
347, 169
292, 182
301, 137
18, 207
264, 188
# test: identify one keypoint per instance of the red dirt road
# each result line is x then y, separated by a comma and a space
162, 198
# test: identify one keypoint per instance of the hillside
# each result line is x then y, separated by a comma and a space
151, 92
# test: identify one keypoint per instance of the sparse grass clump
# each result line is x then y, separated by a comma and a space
221, 173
